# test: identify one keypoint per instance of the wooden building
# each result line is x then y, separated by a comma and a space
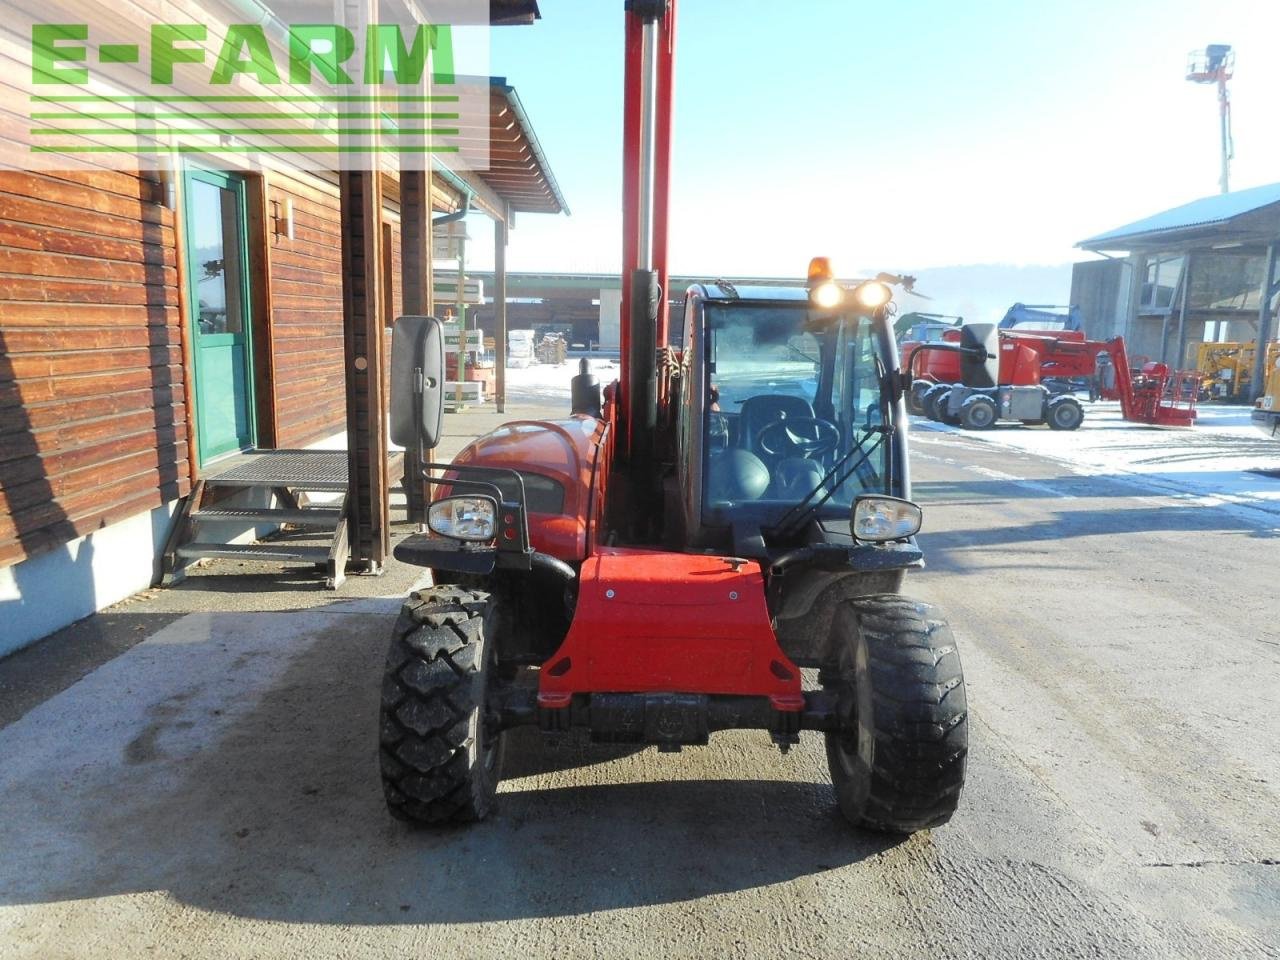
151, 325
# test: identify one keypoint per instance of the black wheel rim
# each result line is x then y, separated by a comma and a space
1066, 415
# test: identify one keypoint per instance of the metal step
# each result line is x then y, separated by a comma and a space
317, 470
254, 551
324, 517
291, 483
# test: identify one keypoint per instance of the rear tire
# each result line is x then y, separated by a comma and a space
978, 412
915, 396
440, 751
930, 400
944, 410
898, 760
1063, 413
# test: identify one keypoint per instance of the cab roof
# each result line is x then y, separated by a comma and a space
734, 292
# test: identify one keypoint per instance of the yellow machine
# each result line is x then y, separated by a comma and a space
1226, 369
1266, 412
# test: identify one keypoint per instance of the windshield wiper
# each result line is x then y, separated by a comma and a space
796, 351
803, 513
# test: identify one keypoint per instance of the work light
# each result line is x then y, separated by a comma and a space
473, 519
824, 292
877, 518
826, 295
873, 294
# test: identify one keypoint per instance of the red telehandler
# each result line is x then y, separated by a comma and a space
663, 562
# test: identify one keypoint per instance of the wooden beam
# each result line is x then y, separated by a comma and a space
415, 284
500, 310
415, 242
260, 314
184, 314
364, 357
388, 278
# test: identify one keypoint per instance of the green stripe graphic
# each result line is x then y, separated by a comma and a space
238, 131
157, 98
223, 115
270, 148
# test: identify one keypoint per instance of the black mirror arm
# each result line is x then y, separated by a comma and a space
419, 389
906, 377
516, 550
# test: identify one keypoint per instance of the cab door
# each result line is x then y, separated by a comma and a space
216, 234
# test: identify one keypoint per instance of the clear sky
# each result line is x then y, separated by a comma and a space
893, 135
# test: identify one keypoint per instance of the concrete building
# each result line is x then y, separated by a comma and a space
1204, 271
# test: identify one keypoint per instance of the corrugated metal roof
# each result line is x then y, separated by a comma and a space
1207, 211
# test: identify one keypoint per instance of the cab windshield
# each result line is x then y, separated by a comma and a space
795, 412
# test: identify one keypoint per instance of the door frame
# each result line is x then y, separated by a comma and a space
238, 184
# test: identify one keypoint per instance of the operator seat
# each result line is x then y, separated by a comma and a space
735, 475
793, 479
759, 411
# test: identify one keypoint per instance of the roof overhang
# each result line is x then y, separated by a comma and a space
518, 177
513, 12
518, 171
500, 13
1241, 218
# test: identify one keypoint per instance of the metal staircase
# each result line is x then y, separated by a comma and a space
257, 494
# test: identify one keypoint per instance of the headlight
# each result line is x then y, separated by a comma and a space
464, 518
826, 295
873, 294
878, 519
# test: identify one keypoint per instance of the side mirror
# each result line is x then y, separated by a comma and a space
417, 382
980, 356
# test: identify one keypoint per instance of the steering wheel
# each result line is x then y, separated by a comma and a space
785, 437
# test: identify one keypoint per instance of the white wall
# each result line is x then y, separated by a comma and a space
51, 590
610, 319
55, 589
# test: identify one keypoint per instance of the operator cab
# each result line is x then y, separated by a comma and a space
786, 417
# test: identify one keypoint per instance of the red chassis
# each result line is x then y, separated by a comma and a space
701, 621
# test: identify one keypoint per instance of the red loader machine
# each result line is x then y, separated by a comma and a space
1055, 361
1152, 394
663, 562
1032, 384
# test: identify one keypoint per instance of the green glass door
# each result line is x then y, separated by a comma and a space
218, 270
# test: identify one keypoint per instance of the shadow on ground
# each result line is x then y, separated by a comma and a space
243, 779
961, 550
34, 674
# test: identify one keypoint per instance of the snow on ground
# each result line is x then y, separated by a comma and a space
549, 383
1212, 462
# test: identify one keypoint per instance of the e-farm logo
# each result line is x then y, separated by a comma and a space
323, 95
326, 48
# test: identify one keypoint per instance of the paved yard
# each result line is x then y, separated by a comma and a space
211, 791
